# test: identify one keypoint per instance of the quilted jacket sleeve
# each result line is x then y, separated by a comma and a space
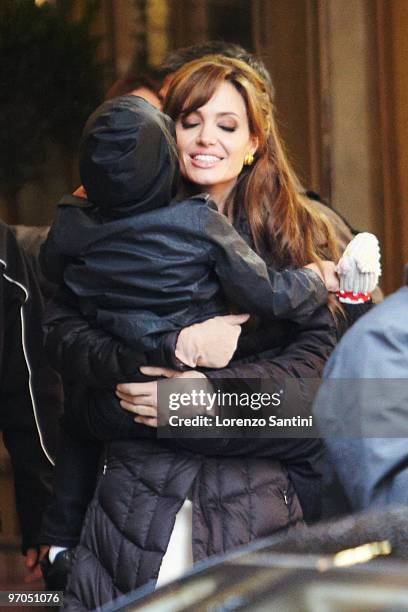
307, 350
308, 347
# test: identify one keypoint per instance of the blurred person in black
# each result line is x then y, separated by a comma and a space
146, 85
30, 394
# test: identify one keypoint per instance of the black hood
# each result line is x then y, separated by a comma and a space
127, 157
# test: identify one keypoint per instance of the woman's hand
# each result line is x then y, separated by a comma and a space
327, 272
141, 398
210, 344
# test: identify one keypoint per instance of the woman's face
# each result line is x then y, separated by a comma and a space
213, 142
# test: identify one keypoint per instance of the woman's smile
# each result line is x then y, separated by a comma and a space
205, 160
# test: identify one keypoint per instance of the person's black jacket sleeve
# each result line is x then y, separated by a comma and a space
82, 352
308, 347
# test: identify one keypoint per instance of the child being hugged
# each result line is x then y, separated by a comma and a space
143, 264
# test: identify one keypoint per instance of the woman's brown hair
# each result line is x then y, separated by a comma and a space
279, 217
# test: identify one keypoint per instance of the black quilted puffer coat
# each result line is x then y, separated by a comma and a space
129, 521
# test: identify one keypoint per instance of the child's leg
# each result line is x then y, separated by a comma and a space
91, 418
74, 484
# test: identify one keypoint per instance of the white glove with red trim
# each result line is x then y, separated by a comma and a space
359, 268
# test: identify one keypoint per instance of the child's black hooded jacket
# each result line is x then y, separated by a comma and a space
143, 265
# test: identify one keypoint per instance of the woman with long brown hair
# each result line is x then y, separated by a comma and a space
280, 219
229, 147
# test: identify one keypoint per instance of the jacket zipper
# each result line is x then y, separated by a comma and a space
105, 460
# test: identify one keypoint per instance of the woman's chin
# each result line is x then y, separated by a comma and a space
204, 177
209, 178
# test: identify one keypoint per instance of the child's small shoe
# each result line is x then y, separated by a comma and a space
56, 574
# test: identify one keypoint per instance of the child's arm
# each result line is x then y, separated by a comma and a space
251, 285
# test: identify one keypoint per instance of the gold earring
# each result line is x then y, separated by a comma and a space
248, 159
